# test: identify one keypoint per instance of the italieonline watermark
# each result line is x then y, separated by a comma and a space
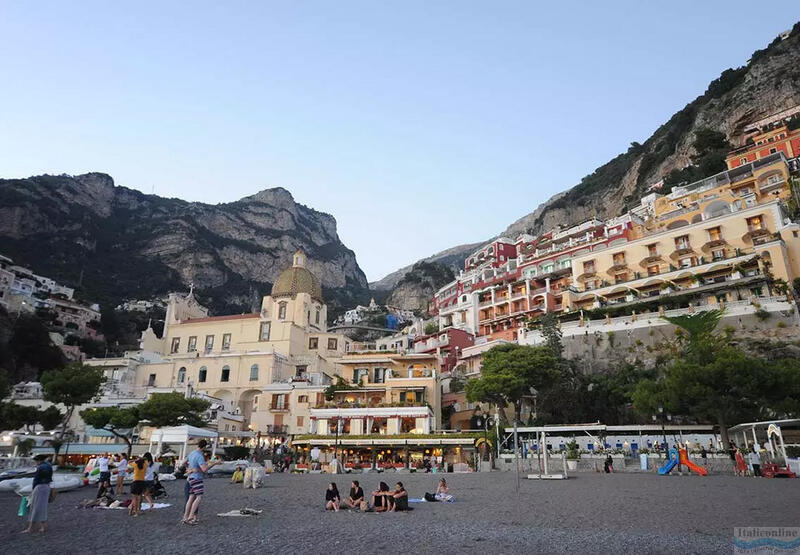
755, 539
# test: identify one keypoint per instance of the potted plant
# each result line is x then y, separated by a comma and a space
572, 455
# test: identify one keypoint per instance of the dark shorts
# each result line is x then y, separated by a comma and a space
195, 486
138, 487
104, 477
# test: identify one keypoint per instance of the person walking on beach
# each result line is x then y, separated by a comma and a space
122, 473
332, 498
196, 468
755, 460
40, 494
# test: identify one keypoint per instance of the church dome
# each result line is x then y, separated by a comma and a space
297, 279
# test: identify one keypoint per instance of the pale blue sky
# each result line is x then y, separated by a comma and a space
418, 125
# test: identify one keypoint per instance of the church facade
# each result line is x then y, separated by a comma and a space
271, 366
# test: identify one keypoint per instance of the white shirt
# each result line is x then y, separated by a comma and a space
149, 474
315, 454
755, 458
102, 464
122, 467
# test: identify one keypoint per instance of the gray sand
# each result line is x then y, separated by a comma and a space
587, 513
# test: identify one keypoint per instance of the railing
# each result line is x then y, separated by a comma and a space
274, 430
279, 406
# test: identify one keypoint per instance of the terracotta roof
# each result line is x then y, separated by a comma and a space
220, 318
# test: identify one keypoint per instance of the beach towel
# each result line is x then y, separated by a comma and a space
145, 506
416, 501
242, 512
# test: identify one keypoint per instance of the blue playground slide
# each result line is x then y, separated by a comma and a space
671, 463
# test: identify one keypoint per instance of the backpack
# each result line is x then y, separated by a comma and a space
430, 497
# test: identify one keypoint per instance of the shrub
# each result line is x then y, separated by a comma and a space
762, 314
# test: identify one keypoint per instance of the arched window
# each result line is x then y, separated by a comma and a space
282, 310
226, 374
254, 373
182, 374
202, 374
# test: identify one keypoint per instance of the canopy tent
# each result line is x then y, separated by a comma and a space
771, 428
182, 435
82, 449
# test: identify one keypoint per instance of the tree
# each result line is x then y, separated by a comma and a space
114, 420
339, 385
552, 333
173, 409
50, 418
31, 350
431, 328
710, 380
71, 386
509, 373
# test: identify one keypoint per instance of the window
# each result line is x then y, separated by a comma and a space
754, 223
588, 267
332, 344
226, 342
226, 374
182, 375
176, 344
743, 160
714, 234
209, 343
254, 373
380, 375
300, 371
299, 421
619, 259
682, 242
686, 262
192, 344
718, 254
755, 291
359, 374
202, 374
316, 318
151, 380
282, 311
313, 342
263, 334
652, 250
653, 270
773, 150
773, 179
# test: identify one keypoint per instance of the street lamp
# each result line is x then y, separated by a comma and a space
483, 420
663, 424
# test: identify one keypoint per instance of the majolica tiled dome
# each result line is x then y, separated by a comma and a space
297, 279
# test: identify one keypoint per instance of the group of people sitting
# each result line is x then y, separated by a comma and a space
383, 498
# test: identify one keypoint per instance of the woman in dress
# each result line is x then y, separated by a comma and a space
399, 498
443, 492
40, 494
332, 498
380, 498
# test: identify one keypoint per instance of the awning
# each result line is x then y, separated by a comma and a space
82, 449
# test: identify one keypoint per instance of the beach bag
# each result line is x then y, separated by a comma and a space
364, 506
23, 507
430, 497
52, 496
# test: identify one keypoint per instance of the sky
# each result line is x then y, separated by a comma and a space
418, 125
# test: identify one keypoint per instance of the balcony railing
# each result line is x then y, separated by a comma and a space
274, 430
278, 407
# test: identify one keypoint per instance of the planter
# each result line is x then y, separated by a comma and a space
572, 464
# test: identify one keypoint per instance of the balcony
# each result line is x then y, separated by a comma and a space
271, 430
279, 406
755, 234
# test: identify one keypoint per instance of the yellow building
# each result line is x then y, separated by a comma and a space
267, 366
720, 239
391, 394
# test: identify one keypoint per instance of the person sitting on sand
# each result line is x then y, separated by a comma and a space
380, 498
399, 498
332, 498
443, 492
238, 476
356, 496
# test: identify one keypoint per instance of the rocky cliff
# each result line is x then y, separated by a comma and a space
767, 84
416, 288
115, 243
